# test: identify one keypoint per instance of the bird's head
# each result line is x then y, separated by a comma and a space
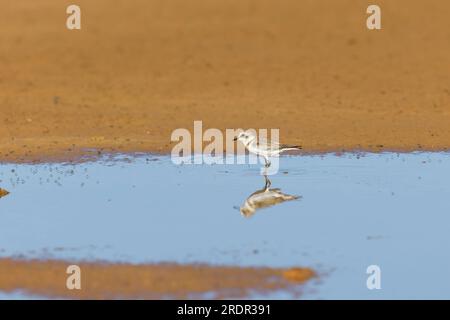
245, 137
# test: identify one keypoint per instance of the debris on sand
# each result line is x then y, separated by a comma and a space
298, 274
3, 192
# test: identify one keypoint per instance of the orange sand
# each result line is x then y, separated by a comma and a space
139, 69
156, 281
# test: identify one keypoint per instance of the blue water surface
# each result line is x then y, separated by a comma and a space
390, 210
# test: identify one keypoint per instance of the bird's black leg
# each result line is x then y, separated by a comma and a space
268, 183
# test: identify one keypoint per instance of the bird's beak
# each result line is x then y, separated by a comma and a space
235, 139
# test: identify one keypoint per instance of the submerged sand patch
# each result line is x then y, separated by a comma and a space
146, 281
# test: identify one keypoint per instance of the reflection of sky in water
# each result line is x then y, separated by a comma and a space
385, 209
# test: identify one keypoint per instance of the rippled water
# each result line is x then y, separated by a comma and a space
349, 212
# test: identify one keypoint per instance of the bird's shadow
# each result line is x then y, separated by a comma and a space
263, 198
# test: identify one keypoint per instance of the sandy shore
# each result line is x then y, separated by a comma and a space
139, 69
156, 281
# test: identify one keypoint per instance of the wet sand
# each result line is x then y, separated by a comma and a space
138, 70
157, 281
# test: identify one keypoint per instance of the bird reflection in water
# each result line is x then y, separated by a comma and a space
264, 198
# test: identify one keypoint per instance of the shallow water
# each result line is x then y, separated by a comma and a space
391, 210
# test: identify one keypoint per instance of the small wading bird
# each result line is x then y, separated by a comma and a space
263, 198
263, 148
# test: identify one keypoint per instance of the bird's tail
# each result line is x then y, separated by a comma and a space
290, 147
